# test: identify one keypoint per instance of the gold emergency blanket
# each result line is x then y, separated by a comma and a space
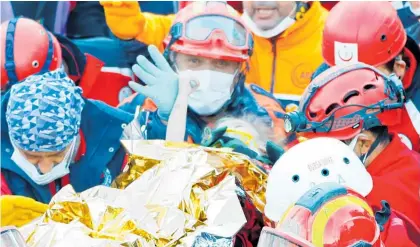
168, 195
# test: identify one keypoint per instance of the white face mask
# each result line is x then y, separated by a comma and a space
352, 145
213, 92
416, 12
281, 27
58, 171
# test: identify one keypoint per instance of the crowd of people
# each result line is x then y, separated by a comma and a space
325, 100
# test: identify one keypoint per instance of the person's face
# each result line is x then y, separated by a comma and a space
267, 14
189, 62
399, 69
45, 161
363, 145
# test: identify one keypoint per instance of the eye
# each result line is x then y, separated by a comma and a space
295, 178
325, 172
35, 64
194, 60
221, 63
346, 160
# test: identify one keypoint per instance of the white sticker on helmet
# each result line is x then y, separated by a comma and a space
345, 53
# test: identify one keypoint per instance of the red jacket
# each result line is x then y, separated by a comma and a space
400, 231
108, 84
410, 126
396, 179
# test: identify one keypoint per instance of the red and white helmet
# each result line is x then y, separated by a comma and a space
344, 100
212, 30
27, 49
328, 215
364, 31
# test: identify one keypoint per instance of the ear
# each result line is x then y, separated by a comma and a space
400, 67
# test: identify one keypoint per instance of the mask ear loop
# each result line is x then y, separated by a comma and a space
372, 148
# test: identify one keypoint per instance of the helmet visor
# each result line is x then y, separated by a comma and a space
273, 238
201, 28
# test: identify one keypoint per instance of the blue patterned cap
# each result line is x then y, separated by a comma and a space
44, 112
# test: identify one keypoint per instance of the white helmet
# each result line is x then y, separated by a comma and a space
310, 163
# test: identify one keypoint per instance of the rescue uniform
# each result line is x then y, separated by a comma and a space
396, 179
99, 163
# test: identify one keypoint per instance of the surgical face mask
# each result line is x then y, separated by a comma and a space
281, 27
352, 145
213, 92
58, 171
415, 11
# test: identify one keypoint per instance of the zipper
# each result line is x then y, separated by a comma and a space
273, 71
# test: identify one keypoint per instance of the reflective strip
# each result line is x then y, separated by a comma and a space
123, 71
287, 96
414, 115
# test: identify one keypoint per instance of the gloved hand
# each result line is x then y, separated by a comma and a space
161, 80
124, 18
19, 210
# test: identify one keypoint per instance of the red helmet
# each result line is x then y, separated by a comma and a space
210, 29
369, 32
28, 48
328, 215
344, 100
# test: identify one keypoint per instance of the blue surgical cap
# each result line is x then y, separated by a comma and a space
44, 112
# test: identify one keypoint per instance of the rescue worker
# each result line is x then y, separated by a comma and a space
388, 49
328, 160
287, 38
330, 214
245, 135
358, 104
51, 136
23, 58
213, 49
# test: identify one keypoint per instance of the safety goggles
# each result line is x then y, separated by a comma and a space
274, 238
201, 28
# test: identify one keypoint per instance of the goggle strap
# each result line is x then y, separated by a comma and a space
176, 34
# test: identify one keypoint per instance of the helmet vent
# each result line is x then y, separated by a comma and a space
383, 37
350, 95
369, 87
331, 108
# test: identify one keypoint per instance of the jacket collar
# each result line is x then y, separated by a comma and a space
390, 156
313, 21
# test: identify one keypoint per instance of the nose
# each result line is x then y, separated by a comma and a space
45, 165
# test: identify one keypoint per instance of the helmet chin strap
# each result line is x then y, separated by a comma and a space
372, 148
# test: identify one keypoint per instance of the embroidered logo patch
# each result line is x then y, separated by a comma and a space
106, 178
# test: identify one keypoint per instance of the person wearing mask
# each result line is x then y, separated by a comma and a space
51, 136
287, 39
47, 52
212, 50
358, 104
389, 49
247, 134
